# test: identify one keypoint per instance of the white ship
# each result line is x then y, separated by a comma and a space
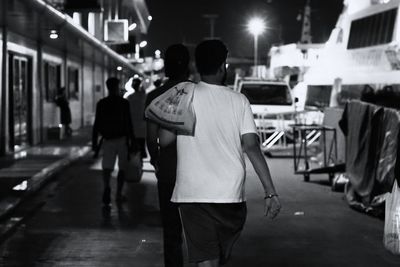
363, 49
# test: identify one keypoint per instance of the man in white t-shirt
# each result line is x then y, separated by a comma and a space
211, 164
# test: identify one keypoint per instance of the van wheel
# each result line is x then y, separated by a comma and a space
331, 177
306, 177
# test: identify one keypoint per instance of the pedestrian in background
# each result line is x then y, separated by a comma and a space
62, 102
163, 158
137, 104
113, 123
157, 83
211, 169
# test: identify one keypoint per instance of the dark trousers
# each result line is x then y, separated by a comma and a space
172, 228
141, 142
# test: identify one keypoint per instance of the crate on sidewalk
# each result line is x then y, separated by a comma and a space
55, 133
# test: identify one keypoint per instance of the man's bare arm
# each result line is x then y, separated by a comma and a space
253, 151
166, 137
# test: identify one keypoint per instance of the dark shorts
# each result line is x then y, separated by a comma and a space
211, 229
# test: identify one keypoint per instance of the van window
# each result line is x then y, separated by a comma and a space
267, 94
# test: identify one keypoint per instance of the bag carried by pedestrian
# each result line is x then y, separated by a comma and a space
174, 109
391, 238
134, 169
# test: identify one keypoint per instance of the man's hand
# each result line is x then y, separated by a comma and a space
154, 162
272, 207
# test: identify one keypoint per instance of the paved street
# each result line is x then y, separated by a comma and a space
315, 227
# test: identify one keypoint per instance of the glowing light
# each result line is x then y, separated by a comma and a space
143, 44
157, 53
53, 34
20, 155
256, 26
132, 26
150, 18
128, 88
119, 68
21, 187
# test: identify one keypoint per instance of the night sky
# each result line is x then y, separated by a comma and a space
176, 21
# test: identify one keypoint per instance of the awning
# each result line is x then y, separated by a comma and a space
35, 18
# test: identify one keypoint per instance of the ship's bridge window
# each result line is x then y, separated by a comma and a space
372, 30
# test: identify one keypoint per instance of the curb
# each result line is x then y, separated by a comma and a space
37, 182
39, 179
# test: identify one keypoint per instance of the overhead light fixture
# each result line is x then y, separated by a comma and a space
53, 34
143, 44
150, 18
119, 68
132, 26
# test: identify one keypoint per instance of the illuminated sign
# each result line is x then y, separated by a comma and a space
116, 31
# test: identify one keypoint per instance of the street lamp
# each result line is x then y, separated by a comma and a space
256, 27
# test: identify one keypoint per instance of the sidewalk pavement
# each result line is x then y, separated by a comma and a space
25, 172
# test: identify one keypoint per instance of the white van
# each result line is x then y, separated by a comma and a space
271, 101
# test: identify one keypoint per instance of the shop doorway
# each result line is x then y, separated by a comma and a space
20, 101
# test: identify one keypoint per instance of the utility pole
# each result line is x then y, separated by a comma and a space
306, 26
211, 18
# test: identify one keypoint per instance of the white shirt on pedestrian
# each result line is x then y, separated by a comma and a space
211, 164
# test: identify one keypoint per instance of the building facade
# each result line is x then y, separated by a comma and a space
45, 46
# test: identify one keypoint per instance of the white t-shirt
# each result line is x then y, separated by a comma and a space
211, 165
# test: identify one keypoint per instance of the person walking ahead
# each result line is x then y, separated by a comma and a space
61, 101
113, 123
163, 158
137, 102
211, 165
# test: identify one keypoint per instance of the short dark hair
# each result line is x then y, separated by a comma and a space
176, 60
210, 55
136, 82
112, 83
